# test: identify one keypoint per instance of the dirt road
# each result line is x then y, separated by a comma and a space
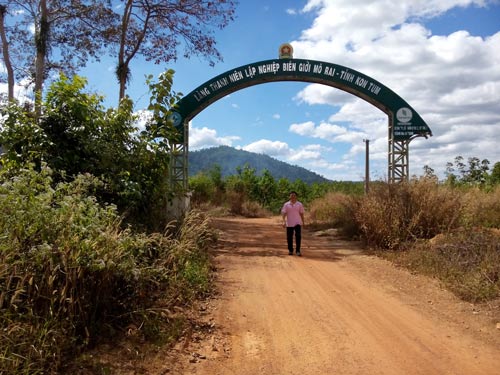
335, 310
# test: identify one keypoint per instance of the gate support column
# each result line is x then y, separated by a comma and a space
398, 157
178, 176
178, 164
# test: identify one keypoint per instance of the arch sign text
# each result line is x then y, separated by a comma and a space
407, 123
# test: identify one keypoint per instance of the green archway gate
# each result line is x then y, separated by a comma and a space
404, 123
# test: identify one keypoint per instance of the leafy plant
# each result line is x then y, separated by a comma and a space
70, 275
77, 134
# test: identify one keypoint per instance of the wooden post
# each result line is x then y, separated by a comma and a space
367, 165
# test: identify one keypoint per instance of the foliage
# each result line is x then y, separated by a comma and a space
76, 134
21, 138
62, 35
208, 187
249, 194
162, 100
494, 178
258, 184
153, 29
70, 275
202, 188
474, 173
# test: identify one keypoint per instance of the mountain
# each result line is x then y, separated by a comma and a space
229, 159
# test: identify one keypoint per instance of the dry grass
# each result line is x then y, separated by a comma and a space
466, 262
336, 210
448, 233
392, 215
481, 208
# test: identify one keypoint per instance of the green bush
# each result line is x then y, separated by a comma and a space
202, 189
77, 135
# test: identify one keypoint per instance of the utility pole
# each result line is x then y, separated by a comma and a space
367, 165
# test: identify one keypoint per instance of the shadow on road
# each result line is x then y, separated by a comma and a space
266, 238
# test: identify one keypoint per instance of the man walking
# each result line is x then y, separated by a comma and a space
293, 219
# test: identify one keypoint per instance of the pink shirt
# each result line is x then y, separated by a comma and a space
292, 212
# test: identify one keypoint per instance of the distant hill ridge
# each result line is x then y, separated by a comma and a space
229, 158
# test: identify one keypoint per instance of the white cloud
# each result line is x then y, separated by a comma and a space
321, 94
276, 116
305, 128
452, 80
265, 146
205, 137
326, 131
308, 152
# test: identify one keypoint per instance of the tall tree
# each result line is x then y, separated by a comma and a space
156, 29
476, 172
6, 55
495, 174
57, 35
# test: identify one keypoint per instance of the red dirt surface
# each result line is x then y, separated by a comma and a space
335, 310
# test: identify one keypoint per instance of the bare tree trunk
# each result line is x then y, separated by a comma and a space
41, 39
6, 56
122, 69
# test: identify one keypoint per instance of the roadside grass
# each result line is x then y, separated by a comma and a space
335, 210
71, 276
448, 233
467, 262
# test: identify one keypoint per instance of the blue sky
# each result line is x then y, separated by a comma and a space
441, 56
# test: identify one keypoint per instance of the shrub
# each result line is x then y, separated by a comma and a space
253, 209
467, 262
337, 210
70, 275
202, 189
392, 214
235, 200
481, 208
77, 135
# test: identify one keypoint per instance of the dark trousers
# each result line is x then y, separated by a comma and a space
298, 237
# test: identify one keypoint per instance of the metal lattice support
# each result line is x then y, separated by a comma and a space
399, 164
178, 168
398, 161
